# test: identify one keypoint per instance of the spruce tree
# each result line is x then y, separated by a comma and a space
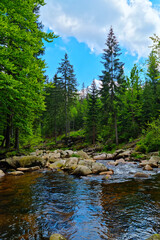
93, 110
67, 75
112, 79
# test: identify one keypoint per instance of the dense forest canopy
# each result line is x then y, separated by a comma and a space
31, 105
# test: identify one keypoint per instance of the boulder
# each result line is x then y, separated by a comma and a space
154, 159
121, 160
98, 167
70, 152
58, 164
87, 163
39, 152
143, 163
100, 157
140, 175
83, 154
124, 154
64, 154
71, 163
154, 237
2, 173
16, 173
57, 237
110, 156
25, 161
82, 171
148, 168
35, 168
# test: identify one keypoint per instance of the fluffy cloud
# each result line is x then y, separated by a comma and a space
89, 21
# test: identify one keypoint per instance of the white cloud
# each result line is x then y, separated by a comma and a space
89, 21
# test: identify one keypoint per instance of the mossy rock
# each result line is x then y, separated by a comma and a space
26, 161
57, 237
154, 237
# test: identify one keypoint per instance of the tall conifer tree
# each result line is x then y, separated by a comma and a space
67, 75
112, 79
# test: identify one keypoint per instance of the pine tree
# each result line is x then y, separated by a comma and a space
68, 78
54, 114
112, 79
93, 110
152, 89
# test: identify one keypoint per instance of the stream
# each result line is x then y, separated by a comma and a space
38, 204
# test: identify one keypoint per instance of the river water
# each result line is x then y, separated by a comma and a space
38, 204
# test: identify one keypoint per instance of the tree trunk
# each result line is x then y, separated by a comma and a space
17, 139
116, 131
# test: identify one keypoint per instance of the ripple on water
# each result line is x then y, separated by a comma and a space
36, 205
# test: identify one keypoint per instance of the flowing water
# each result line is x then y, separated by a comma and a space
35, 205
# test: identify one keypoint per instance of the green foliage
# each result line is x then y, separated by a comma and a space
137, 155
21, 68
92, 118
151, 140
79, 133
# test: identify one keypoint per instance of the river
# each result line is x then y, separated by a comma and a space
38, 204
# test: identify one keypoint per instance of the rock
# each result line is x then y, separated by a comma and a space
148, 168
71, 163
100, 157
140, 175
110, 156
154, 237
143, 163
33, 154
64, 154
153, 154
57, 237
24, 169
121, 160
154, 159
113, 163
35, 168
16, 173
154, 165
82, 171
46, 157
25, 161
70, 152
2, 174
107, 177
39, 152
58, 164
107, 173
124, 154
83, 155
98, 167
87, 163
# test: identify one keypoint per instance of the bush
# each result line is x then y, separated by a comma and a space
151, 140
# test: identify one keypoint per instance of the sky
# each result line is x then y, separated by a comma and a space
83, 28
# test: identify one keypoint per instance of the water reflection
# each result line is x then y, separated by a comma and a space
34, 206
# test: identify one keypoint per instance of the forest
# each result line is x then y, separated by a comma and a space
35, 109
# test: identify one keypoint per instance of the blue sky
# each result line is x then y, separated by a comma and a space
83, 28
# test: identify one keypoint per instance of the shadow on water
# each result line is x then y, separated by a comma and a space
35, 205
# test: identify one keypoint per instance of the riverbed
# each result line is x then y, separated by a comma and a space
37, 204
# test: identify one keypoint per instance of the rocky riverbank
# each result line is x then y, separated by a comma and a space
78, 163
